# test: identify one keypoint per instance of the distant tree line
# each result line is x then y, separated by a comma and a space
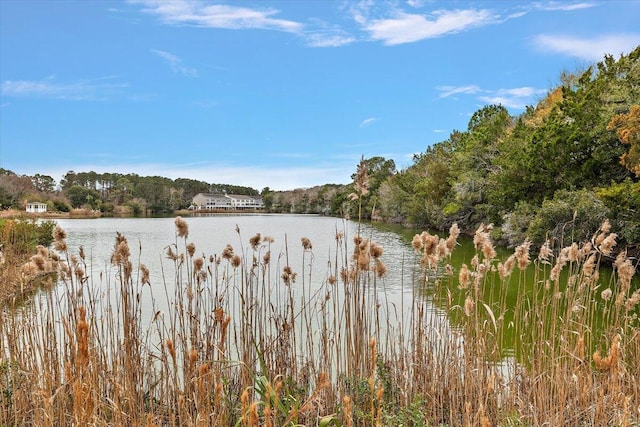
555, 171
108, 192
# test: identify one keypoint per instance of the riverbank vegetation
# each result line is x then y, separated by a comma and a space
19, 241
244, 341
569, 161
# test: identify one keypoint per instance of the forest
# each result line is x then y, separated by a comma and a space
557, 170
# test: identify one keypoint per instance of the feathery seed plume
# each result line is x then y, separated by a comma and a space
182, 228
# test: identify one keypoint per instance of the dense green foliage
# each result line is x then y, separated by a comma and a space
554, 171
21, 236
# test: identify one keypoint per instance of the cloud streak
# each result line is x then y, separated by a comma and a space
516, 98
409, 28
81, 90
447, 91
562, 6
367, 122
590, 49
217, 15
175, 63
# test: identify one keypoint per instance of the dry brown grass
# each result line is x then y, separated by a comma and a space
236, 347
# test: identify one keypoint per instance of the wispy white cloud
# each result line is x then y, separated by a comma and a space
183, 12
176, 64
323, 39
81, 90
231, 17
563, 6
590, 49
447, 91
367, 122
516, 98
408, 28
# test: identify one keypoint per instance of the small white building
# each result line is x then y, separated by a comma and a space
239, 201
212, 201
36, 207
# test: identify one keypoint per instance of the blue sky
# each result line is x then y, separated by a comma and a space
285, 94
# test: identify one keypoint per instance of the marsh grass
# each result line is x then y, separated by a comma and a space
246, 340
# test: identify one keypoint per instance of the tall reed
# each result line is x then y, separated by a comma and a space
245, 340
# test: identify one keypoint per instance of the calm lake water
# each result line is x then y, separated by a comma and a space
149, 238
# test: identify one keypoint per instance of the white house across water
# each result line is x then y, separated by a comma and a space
36, 207
213, 201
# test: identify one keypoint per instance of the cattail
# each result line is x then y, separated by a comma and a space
448, 270
375, 250
574, 253
145, 274
204, 369
441, 249
464, 276
488, 251
608, 243
522, 254
609, 362
380, 268
59, 239
363, 261
579, 350
171, 254
454, 232
254, 418
606, 294
255, 241
625, 270
429, 243
266, 258
39, 262
227, 252
475, 261
78, 271
417, 243
182, 228
306, 244
332, 279
361, 180
509, 264
468, 306
545, 252
121, 252
236, 260
191, 249
372, 351
555, 271
604, 230
58, 233
171, 349
348, 410
83, 338
198, 263
288, 275
632, 301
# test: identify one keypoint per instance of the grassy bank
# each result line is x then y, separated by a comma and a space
244, 342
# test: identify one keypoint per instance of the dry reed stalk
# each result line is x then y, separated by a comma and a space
185, 371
